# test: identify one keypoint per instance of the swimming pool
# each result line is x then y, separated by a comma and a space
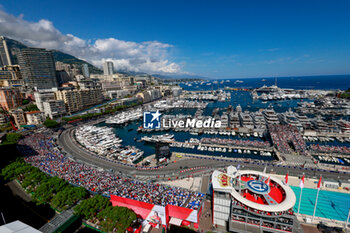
331, 205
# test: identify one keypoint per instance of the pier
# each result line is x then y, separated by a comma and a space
269, 149
329, 154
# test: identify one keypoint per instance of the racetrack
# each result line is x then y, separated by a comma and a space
69, 145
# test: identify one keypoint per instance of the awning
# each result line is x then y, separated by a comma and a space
175, 221
186, 223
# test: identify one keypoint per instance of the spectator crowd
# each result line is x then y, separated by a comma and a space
40, 150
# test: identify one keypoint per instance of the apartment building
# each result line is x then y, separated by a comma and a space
91, 97
10, 76
43, 96
10, 98
37, 68
77, 100
35, 117
18, 116
54, 108
72, 99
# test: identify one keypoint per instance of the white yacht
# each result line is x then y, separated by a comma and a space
270, 116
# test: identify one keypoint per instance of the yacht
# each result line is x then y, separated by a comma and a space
166, 138
320, 125
258, 120
270, 116
344, 126
234, 120
224, 121
246, 120
304, 120
289, 118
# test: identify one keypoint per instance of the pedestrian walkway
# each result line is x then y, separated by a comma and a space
60, 222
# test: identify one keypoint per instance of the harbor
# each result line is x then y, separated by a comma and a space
103, 142
247, 128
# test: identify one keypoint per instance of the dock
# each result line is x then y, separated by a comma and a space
269, 149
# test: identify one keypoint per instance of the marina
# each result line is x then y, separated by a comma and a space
175, 117
103, 142
249, 128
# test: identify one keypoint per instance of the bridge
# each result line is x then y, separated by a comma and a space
60, 222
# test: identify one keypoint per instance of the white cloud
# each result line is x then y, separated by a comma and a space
149, 56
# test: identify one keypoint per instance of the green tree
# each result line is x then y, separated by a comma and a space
31, 107
11, 138
67, 197
92, 206
33, 179
6, 127
50, 123
15, 169
116, 217
46, 190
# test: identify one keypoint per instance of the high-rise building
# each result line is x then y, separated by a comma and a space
85, 70
37, 68
5, 58
108, 68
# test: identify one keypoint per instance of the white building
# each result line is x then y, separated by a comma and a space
176, 91
108, 68
85, 70
119, 93
35, 117
17, 226
43, 96
54, 108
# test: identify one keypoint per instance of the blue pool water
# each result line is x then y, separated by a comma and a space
331, 205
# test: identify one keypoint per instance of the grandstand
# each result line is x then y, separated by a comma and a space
251, 201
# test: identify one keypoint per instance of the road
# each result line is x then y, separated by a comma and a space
67, 142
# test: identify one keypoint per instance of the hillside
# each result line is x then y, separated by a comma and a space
69, 59
15, 46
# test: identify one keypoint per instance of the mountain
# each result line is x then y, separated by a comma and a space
14, 46
131, 73
69, 59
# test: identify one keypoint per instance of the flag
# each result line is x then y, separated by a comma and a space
301, 184
319, 183
286, 179
268, 181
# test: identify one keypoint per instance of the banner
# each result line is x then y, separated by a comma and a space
155, 214
182, 213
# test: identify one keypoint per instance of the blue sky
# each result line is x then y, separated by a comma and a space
216, 39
